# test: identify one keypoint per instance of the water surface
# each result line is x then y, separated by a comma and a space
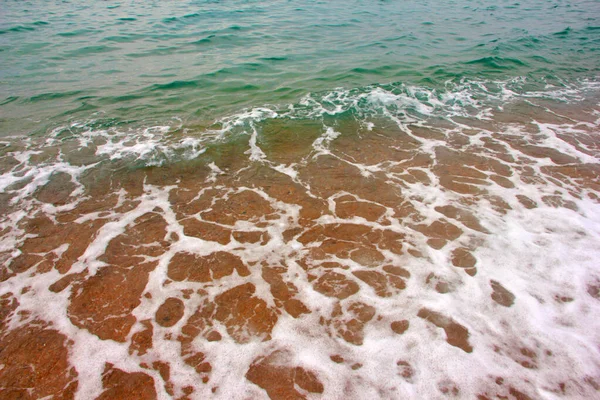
277, 199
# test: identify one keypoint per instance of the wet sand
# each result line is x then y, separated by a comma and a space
424, 260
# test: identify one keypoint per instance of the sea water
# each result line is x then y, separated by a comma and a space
253, 199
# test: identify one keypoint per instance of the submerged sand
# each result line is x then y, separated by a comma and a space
386, 260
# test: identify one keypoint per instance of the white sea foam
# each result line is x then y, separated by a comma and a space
537, 254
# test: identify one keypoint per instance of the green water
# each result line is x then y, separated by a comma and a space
144, 63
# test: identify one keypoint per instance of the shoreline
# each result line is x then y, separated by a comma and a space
343, 258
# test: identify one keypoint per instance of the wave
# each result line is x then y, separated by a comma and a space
55, 95
18, 28
398, 103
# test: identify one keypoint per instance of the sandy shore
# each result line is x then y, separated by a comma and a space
388, 261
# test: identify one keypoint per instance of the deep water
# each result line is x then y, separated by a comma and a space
146, 62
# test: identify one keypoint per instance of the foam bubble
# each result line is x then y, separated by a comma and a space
449, 249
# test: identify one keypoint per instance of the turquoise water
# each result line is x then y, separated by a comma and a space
143, 63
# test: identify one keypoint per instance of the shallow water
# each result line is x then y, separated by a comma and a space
261, 199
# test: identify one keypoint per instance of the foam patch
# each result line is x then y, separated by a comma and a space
386, 242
